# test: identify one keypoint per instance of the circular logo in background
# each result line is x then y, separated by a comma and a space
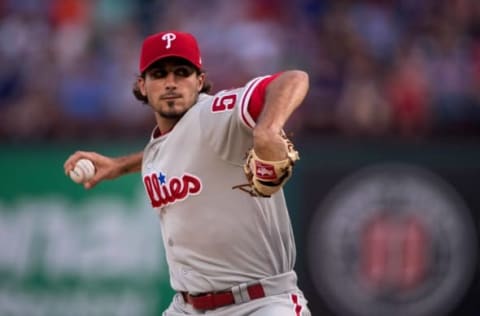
392, 240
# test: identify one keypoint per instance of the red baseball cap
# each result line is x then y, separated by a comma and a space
169, 44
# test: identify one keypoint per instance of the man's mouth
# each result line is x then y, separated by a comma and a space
170, 96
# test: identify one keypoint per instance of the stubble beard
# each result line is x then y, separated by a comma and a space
172, 114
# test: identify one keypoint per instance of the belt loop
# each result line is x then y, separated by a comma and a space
244, 292
240, 293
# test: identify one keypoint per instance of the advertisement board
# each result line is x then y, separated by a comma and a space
70, 251
387, 228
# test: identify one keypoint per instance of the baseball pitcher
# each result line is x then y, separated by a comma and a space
213, 171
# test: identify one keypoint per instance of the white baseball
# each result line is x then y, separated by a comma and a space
84, 170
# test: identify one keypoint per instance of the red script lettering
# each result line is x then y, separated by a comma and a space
176, 189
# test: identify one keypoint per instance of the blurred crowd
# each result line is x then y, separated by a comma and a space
378, 68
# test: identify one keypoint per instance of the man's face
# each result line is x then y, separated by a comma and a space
171, 87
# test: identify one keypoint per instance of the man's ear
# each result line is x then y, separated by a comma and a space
141, 86
201, 81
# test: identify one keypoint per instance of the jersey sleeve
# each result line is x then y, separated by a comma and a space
253, 108
228, 117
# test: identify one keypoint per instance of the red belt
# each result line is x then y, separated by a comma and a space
212, 300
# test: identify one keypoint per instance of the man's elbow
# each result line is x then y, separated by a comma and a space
298, 76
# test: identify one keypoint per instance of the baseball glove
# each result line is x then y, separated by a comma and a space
267, 177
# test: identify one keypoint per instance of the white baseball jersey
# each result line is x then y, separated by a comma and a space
215, 236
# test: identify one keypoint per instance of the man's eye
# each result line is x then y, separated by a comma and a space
158, 73
183, 71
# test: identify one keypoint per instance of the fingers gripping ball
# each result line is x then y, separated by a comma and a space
84, 170
267, 177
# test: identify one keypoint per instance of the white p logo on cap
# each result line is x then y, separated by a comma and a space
169, 38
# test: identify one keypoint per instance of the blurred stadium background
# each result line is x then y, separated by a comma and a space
385, 202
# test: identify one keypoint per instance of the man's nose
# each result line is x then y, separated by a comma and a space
170, 80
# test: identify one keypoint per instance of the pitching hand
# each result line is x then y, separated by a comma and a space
106, 167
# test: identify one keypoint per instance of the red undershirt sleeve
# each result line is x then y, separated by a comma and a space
257, 99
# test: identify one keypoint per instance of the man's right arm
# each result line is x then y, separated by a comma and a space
106, 168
